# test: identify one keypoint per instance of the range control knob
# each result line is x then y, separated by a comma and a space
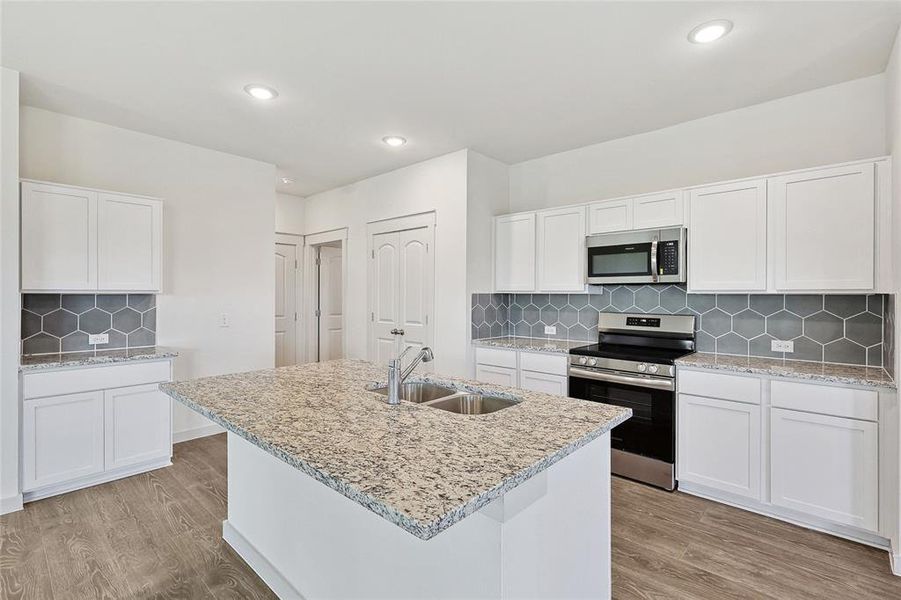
652, 368
642, 367
592, 362
583, 360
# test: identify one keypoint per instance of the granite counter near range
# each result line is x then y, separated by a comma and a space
798, 369
530, 344
68, 360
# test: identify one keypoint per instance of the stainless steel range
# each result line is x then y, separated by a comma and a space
632, 365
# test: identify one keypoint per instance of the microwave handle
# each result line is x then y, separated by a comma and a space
654, 259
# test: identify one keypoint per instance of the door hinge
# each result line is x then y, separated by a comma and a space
372, 317
296, 266
295, 316
318, 313
426, 247
373, 254
318, 261
427, 319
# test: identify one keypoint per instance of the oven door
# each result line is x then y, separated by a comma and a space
623, 263
651, 431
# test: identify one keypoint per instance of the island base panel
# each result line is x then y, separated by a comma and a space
547, 538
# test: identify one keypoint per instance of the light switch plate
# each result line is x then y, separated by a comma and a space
782, 346
98, 338
550, 330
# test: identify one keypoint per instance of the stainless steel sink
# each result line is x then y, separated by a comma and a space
419, 392
472, 404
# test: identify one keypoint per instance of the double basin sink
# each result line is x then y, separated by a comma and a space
447, 398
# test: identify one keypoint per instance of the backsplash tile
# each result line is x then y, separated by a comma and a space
843, 328
54, 323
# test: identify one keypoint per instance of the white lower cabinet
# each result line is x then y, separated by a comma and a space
543, 382
825, 466
104, 429
62, 438
533, 371
719, 444
496, 375
806, 452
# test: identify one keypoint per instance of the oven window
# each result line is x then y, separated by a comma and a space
633, 259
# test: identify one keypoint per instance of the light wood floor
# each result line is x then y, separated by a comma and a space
158, 535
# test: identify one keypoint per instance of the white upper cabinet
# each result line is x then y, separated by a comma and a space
727, 242
130, 240
59, 238
75, 239
658, 210
609, 215
561, 249
514, 253
823, 229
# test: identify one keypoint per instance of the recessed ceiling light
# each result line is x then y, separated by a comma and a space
260, 92
394, 140
287, 180
710, 32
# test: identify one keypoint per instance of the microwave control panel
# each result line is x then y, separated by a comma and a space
668, 258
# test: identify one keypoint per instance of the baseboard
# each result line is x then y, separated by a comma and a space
259, 563
197, 432
105, 477
894, 557
11, 504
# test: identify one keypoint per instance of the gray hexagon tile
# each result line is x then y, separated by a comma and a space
732, 303
75, 342
78, 303
874, 356
60, 323
806, 349
31, 324
578, 301
865, 329
111, 302
549, 315
568, 316
647, 298
716, 322
540, 300
803, 305
784, 325
673, 299
845, 351
824, 327
762, 346
622, 298
127, 320
748, 324
876, 304
845, 305
767, 304
732, 343
40, 343
701, 303
40, 304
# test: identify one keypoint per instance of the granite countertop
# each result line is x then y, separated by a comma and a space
422, 468
530, 344
814, 371
67, 360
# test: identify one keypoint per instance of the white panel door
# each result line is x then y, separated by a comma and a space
496, 375
331, 304
728, 237
544, 382
826, 466
561, 249
59, 238
658, 210
62, 438
384, 278
129, 247
137, 425
609, 215
514, 253
719, 445
824, 229
285, 304
416, 288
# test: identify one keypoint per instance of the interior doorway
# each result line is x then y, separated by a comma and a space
401, 285
326, 302
288, 251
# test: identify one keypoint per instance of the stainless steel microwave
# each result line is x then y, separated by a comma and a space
645, 256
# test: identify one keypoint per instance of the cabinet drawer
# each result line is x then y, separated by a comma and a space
826, 400
496, 357
36, 385
553, 364
716, 385
496, 375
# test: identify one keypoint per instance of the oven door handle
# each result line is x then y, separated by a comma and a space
656, 383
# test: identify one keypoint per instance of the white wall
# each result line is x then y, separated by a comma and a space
436, 185
10, 317
289, 214
833, 124
218, 227
893, 145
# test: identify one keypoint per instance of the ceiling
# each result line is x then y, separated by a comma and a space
513, 80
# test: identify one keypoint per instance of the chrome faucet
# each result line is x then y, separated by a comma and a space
396, 376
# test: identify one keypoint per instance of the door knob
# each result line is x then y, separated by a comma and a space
397, 332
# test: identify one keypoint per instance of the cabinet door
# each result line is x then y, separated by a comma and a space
561, 249
62, 438
658, 210
826, 467
59, 238
727, 240
609, 215
719, 445
514, 253
824, 229
497, 375
130, 240
137, 425
543, 382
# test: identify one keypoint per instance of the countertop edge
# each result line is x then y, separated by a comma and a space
94, 361
424, 531
527, 346
779, 372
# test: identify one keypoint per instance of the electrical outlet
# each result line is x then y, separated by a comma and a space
98, 338
782, 346
550, 330
223, 320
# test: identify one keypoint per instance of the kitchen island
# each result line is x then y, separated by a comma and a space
334, 493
